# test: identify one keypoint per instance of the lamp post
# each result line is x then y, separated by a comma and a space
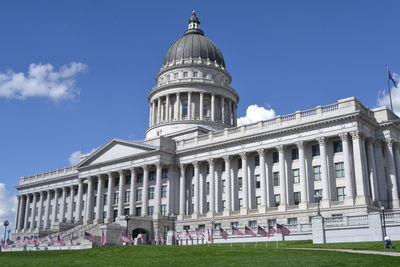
6, 223
8, 238
172, 217
318, 198
384, 221
127, 218
212, 230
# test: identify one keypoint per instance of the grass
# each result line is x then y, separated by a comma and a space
223, 255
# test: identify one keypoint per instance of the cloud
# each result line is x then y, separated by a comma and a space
76, 156
8, 204
255, 113
384, 98
41, 81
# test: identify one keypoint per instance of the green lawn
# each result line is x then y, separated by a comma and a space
215, 255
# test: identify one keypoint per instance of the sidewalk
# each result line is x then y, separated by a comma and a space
385, 253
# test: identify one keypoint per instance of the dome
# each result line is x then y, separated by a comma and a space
194, 45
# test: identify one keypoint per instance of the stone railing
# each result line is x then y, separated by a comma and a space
346, 220
47, 175
392, 217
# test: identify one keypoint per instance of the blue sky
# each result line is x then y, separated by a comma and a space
283, 55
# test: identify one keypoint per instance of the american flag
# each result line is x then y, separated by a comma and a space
88, 236
26, 240
35, 240
248, 231
60, 240
281, 229
19, 242
261, 231
223, 233
70, 240
236, 231
188, 234
103, 238
209, 236
199, 233
177, 236
271, 230
49, 240
124, 238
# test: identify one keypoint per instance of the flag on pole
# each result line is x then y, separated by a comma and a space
177, 236
70, 239
261, 231
60, 240
271, 230
188, 234
281, 229
199, 233
223, 233
88, 236
103, 238
125, 239
248, 231
49, 240
210, 238
390, 78
236, 231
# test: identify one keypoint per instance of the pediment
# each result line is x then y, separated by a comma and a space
115, 149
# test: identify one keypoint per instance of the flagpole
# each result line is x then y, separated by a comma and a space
390, 91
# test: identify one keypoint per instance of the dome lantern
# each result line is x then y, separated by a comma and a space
194, 25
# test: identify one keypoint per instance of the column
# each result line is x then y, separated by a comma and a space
159, 110
157, 192
145, 193
228, 193
245, 182
358, 167
372, 170
392, 173
21, 212
303, 182
40, 213
196, 189
79, 201
33, 215
121, 194
222, 109
182, 191
168, 111
17, 218
55, 205
201, 105
89, 201
324, 172
132, 203
110, 197
47, 210
282, 177
234, 115
153, 108
70, 205
347, 169
62, 209
230, 112
212, 188
26, 216
190, 105
99, 199
178, 107
212, 107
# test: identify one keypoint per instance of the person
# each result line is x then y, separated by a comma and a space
388, 242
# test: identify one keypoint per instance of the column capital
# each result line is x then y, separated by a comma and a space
300, 145
132, 169
145, 167
261, 151
356, 135
182, 167
389, 141
195, 164
280, 148
227, 158
343, 137
210, 162
321, 140
243, 155
158, 165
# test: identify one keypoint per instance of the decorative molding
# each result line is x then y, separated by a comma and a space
343, 137
227, 158
300, 145
210, 162
355, 135
280, 148
243, 155
321, 141
261, 152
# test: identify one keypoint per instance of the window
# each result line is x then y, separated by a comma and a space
185, 74
202, 227
339, 169
252, 224
223, 204
168, 77
128, 179
195, 74
235, 224
152, 175
271, 222
239, 163
105, 199
176, 75
138, 194
296, 176
204, 75
275, 157
337, 146
217, 226
256, 160
95, 201
297, 198
186, 227
126, 211
208, 206
277, 199
223, 166
258, 201
127, 196
139, 178
116, 197
258, 181
95, 188
208, 169
317, 192
317, 173
192, 207
240, 202
116, 182
341, 193
138, 211
106, 183
223, 186
275, 176
315, 150
151, 193
240, 183
292, 221
150, 210
192, 190
295, 153
205, 110
184, 108
163, 191
213, 76
164, 209
164, 173
208, 188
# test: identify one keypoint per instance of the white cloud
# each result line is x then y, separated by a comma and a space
8, 204
42, 81
255, 113
76, 156
384, 99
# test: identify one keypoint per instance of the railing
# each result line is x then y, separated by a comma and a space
47, 175
392, 217
346, 220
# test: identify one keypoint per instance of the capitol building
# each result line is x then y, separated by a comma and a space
196, 168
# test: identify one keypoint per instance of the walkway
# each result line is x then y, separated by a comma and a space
385, 253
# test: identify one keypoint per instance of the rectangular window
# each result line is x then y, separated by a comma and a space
205, 110
208, 169
195, 74
337, 146
295, 153
275, 176
292, 221
163, 191
106, 183
168, 77
235, 224
116, 182
105, 199
138, 211
176, 75
297, 198
185, 74
256, 160
192, 190
296, 176
223, 186
317, 173
126, 211
150, 210
239, 163
258, 201
240, 183
116, 197
128, 179
184, 108
223, 204
271, 222
315, 150
164, 209
208, 206
275, 157
164, 173
208, 188
252, 224
341, 193
152, 175
138, 194
258, 181
204, 75
139, 178
240, 202
223, 166
127, 196
151, 193
317, 192
277, 199
339, 169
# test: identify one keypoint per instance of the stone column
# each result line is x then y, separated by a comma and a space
396, 151
189, 105
303, 179
110, 197
89, 201
372, 170
70, 213
182, 191
54, 210
196, 189
282, 177
178, 107
228, 193
212, 107
234, 115
40, 212
167, 111
21, 211
324, 173
26, 215
47, 210
159, 110
157, 192
99, 199
62, 209
79, 201
222, 109
212, 188
245, 208
263, 182
33, 215
392, 173
153, 108
121, 194
201, 105
145, 195
132, 204
17, 217
230, 112
358, 167
347, 170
